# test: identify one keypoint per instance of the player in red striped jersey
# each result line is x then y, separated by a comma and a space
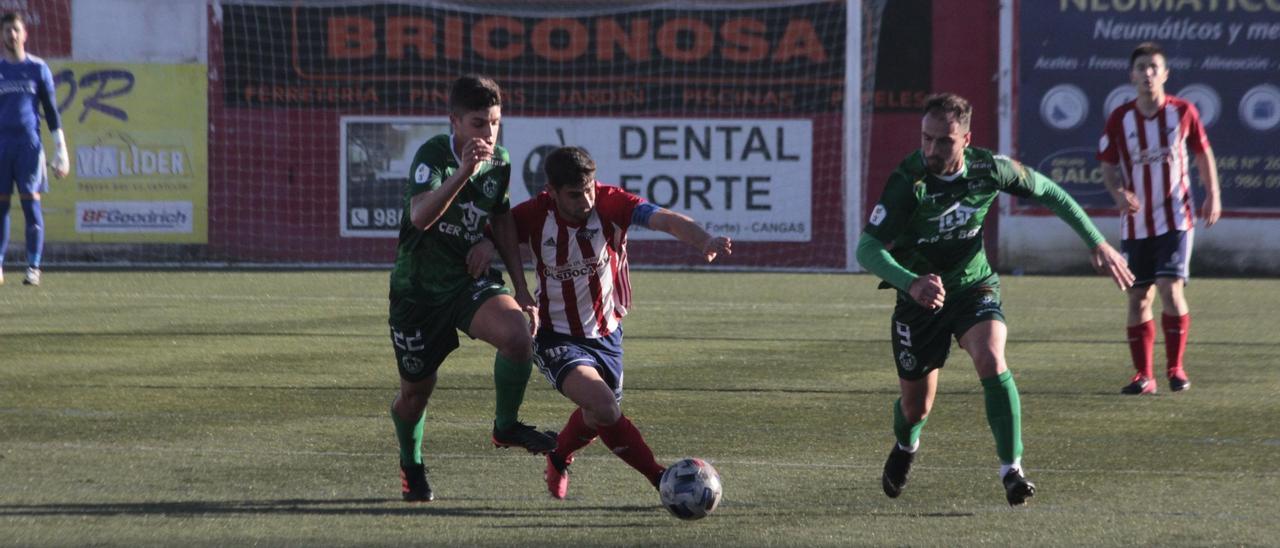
577, 230
1144, 153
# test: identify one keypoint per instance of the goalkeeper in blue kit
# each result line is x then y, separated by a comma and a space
924, 238
26, 85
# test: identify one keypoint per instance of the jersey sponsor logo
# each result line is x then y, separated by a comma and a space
472, 216
576, 269
17, 86
954, 217
422, 174
878, 214
1152, 156
587, 233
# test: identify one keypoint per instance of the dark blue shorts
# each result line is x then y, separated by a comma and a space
1165, 256
22, 165
557, 354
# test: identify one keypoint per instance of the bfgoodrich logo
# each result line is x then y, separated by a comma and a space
133, 217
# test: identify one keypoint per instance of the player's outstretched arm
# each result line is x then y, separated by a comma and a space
1207, 165
687, 231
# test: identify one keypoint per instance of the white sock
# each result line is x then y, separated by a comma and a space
910, 448
1005, 468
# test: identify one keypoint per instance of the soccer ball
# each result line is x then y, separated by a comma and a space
690, 489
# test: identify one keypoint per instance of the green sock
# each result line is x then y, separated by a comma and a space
409, 434
907, 434
509, 380
1004, 414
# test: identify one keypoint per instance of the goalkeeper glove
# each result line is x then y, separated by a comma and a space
61, 163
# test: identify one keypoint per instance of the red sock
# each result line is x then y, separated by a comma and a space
1175, 338
574, 436
1142, 339
626, 442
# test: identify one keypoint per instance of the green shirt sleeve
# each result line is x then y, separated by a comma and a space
431, 166
892, 214
873, 256
889, 219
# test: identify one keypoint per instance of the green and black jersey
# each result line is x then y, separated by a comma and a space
933, 225
431, 264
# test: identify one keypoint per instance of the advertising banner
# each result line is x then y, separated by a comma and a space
384, 55
137, 138
1224, 56
746, 179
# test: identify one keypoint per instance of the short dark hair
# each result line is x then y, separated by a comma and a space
569, 166
474, 92
12, 17
949, 106
1146, 48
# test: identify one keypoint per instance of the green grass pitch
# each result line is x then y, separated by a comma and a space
250, 408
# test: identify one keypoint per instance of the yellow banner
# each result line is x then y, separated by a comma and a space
137, 135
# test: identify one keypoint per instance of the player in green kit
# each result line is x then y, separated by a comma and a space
458, 185
924, 238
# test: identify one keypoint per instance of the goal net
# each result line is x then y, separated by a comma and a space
738, 114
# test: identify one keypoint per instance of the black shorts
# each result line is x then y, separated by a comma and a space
430, 333
1165, 256
922, 337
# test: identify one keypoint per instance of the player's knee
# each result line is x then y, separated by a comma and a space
517, 345
516, 350
602, 413
414, 396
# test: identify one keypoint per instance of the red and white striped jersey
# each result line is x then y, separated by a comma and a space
583, 287
1152, 155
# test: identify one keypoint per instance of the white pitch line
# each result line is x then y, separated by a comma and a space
79, 447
